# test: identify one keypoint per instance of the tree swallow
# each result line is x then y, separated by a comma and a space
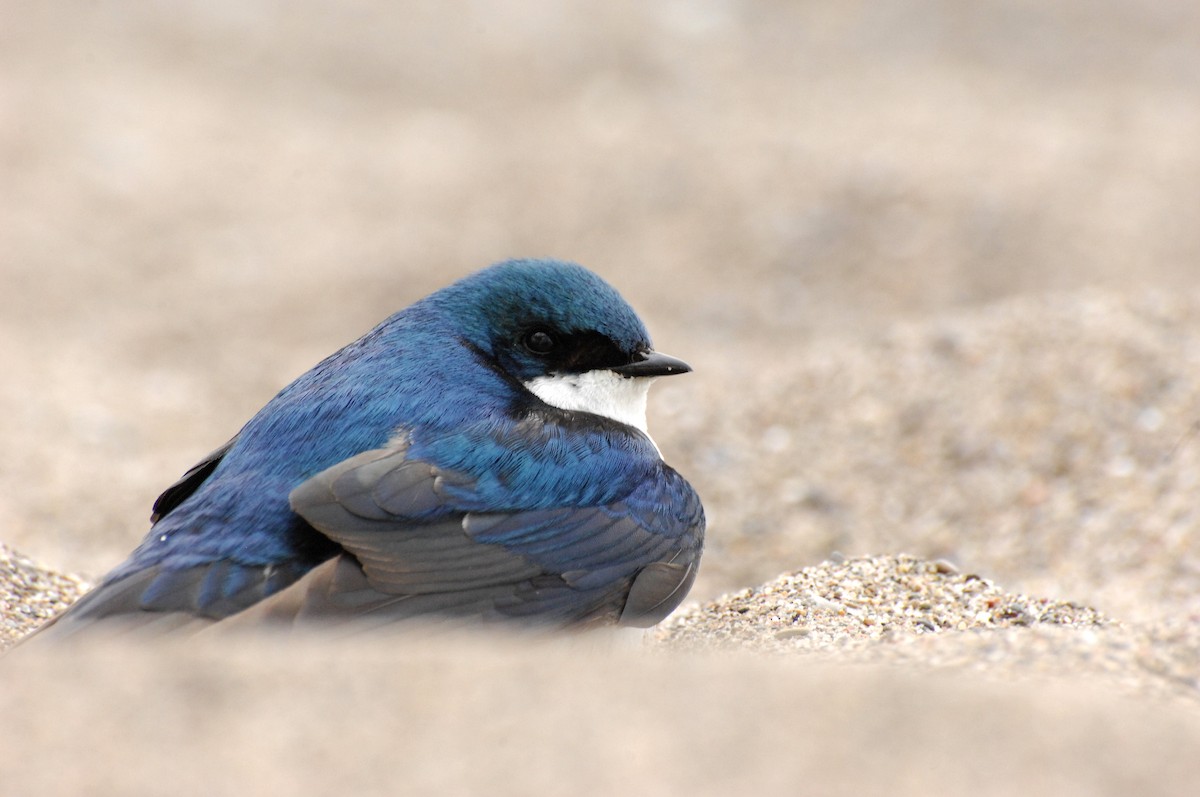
481, 455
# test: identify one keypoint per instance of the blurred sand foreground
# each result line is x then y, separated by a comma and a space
934, 262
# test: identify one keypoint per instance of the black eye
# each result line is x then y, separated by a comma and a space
539, 341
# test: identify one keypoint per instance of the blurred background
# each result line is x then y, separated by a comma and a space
934, 261
201, 199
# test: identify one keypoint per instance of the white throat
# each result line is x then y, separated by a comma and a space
600, 392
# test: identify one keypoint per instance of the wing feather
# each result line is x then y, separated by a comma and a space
415, 544
422, 552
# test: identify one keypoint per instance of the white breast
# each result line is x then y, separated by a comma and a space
600, 392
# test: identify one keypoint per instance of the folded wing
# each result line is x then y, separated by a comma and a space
630, 561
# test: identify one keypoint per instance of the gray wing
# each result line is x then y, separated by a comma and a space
407, 552
411, 553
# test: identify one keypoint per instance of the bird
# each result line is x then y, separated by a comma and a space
481, 456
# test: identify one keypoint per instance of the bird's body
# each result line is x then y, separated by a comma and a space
481, 454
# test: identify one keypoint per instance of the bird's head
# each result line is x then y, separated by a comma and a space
563, 333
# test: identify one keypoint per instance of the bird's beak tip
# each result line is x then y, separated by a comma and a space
654, 363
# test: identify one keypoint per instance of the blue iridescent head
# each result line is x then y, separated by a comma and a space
545, 316
562, 332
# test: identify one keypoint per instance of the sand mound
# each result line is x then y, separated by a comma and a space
30, 595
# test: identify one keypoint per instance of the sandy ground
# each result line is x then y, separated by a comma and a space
934, 262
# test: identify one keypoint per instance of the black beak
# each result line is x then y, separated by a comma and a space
653, 363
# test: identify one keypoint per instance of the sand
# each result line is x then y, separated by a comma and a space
934, 264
